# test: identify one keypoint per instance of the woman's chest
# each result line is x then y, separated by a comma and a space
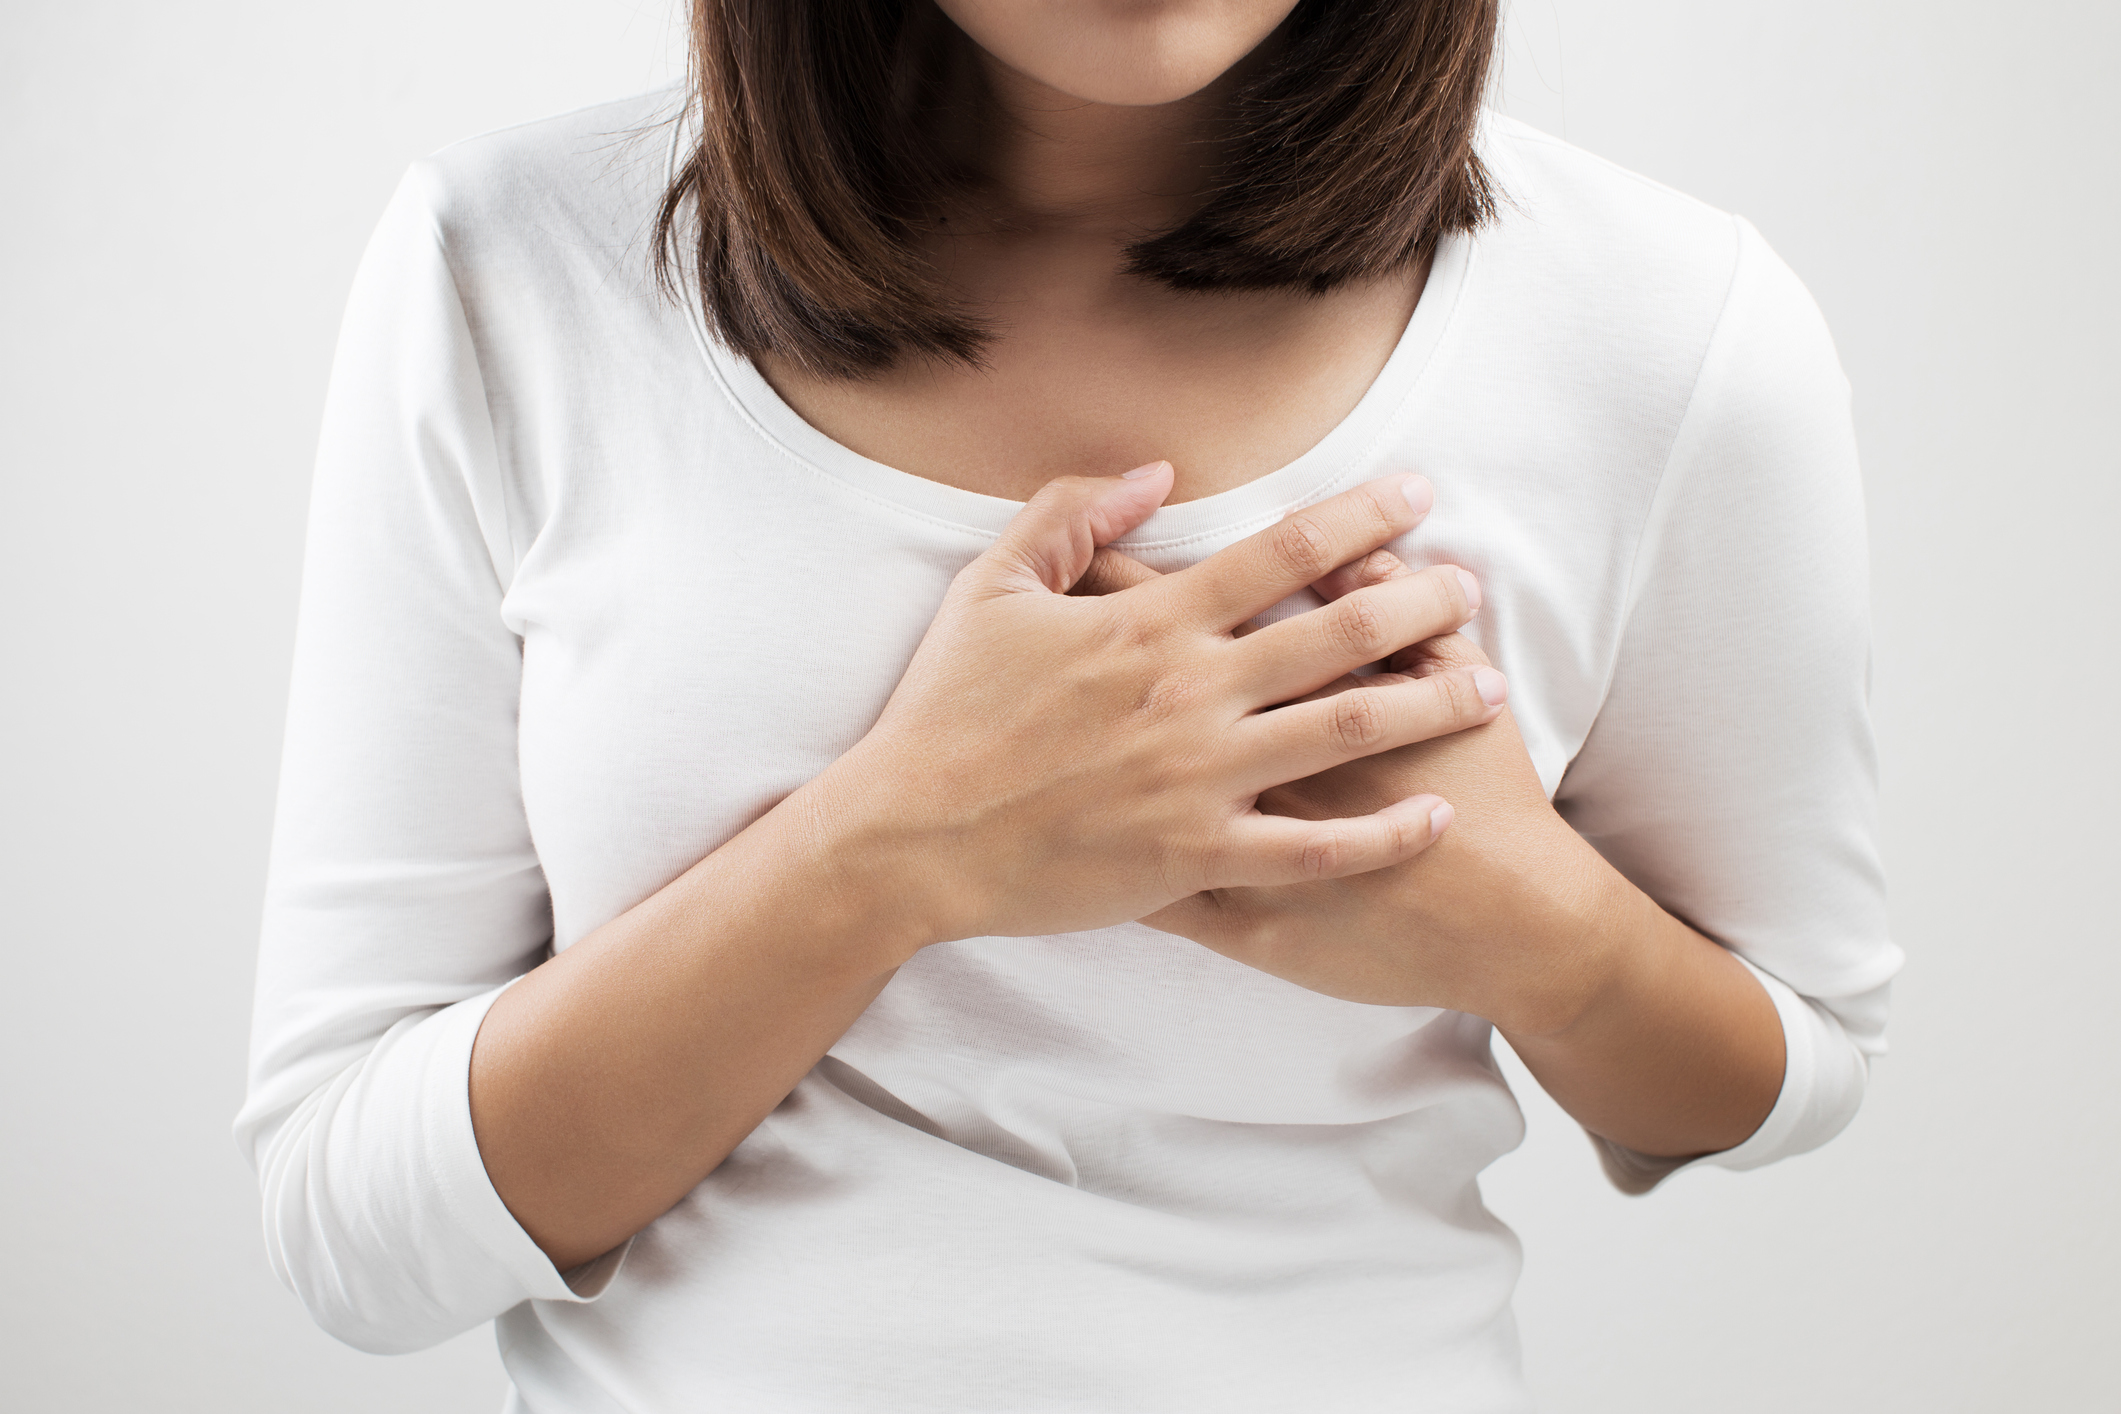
696, 646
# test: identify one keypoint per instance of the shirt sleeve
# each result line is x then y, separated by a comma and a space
1730, 772
404, 893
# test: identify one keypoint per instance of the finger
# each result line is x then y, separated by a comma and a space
1285, 660
1261, 570
1272, 849
1451, 650
1383, 567
1373, 568
1291, 743
1050, 542
1347, 682
1438, 655
1111, 571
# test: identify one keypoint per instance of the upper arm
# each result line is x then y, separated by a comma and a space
403, 878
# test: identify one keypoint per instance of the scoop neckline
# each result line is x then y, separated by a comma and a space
1337, 460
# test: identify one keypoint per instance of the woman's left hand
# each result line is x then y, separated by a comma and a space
1497, 917
1644, 1029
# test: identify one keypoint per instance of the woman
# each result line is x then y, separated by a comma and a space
782, 923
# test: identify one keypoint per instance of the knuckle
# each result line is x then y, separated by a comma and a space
1359, 627
1357, 720
1460, 702
1322, 855
1302, 546
1168, 697
1377, 567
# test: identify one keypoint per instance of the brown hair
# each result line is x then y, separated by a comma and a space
1347, 154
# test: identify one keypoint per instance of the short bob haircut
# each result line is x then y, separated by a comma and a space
797, 211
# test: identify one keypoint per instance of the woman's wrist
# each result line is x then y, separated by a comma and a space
1579, 930
1645, 1030
1678, 1051
872, 881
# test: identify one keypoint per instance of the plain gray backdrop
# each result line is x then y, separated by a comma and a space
185, 189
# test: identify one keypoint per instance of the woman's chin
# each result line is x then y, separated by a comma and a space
1130, 57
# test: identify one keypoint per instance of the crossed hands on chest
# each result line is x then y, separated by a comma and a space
1081, 741
1485, 918
1055, 761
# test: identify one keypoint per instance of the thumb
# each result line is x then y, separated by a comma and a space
1110, 572
1050, 542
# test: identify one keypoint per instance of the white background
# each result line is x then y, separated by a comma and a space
184, 190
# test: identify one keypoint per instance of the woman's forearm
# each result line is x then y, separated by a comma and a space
1675, 1050
610, 1081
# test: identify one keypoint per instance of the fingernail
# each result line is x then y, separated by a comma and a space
1472, 588
1493, 687
1141, 471
1440, 818
1420, 494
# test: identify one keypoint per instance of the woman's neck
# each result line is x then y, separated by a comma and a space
1090, 369
1053, 163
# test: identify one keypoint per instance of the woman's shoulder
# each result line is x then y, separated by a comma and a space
1560, 198
578, 183
1597, 254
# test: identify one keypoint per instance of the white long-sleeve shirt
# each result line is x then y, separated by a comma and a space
584, 597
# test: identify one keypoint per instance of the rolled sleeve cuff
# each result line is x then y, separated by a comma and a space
1823, 1079
466, 1188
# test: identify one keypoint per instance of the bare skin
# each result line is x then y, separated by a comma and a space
1642, 1028
997, 797
1095, 371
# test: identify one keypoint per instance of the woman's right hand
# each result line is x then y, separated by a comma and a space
1048, 763
1053, 763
